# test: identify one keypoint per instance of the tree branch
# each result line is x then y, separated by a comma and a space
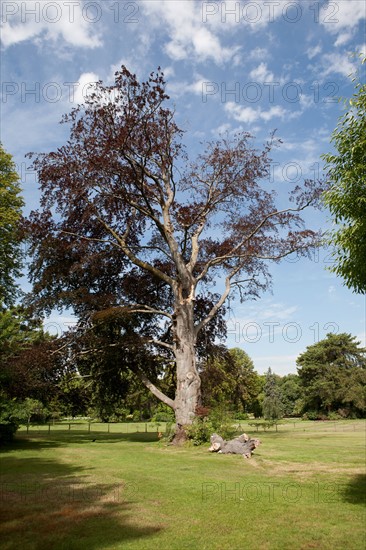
159, 394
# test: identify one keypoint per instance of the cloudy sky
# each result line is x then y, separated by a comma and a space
235, 65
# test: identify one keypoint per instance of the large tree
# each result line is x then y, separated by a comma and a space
129, 226
333, 375
346, 197
11, 204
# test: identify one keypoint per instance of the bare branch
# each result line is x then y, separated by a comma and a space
158, 393
160, 343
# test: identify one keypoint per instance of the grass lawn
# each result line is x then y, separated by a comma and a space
304, 488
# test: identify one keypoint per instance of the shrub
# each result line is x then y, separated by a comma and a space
222, 421
218, 420
241, 416
200, 430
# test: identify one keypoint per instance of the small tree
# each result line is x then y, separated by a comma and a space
272, 403
141, 231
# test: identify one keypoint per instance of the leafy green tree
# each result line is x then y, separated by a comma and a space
346, 197
229, 377
291, 392
11, 204
272, 403
31, 408
333, 375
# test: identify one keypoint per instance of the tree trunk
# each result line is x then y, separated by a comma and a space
188, 381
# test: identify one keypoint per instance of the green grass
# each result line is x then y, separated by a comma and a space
304, 488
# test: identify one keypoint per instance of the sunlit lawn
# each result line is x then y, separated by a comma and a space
304, 488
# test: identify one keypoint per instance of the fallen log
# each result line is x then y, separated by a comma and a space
242, 445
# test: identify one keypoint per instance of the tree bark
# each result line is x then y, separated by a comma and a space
188, 381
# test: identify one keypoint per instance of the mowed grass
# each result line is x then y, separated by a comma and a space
303, 488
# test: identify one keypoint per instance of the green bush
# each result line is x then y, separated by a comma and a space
223, 422
200, 430
241, 416
334, 416
314, 415
219, 421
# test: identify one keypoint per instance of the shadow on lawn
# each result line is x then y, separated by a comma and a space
355, 491
57, 439
48, 504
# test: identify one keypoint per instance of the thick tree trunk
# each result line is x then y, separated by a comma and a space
188, 381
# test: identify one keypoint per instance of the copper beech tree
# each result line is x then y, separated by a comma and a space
125, 215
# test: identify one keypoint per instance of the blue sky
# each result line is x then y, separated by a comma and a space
254, 66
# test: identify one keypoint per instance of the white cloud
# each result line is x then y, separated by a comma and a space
249, 114
342, 18
187, 36
335, 63
306, 101
343, 38
312, 52
258, 54
262, 74
179, 88
278, 312
85, 86
259, 313
31, 20
222, 129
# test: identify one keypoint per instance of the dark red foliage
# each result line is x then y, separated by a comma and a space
127, 222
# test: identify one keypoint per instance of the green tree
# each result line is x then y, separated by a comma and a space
272, 403
291, 391
333, 375
11, 204
229, 378
346, 197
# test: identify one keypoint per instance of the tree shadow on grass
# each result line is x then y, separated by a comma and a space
64, 438
355, 491
48, 504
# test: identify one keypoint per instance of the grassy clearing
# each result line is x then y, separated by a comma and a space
304, 488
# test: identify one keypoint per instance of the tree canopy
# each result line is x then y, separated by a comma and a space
333, 375
229, 378
346, 197
11, 203
129, 225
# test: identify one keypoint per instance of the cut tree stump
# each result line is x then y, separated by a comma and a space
242, 445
